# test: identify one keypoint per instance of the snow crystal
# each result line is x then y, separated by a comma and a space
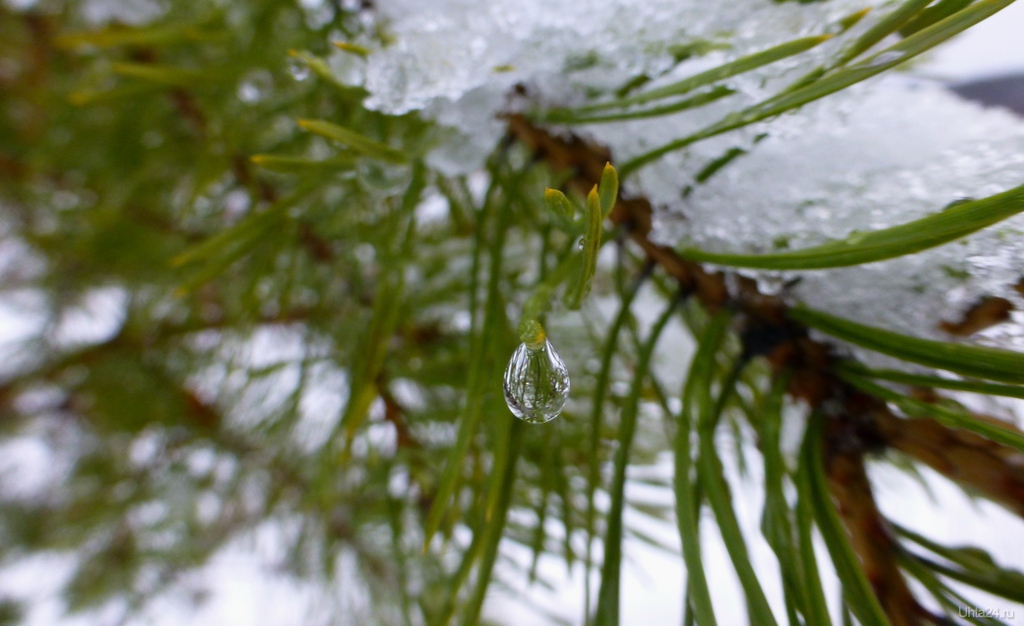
879, 154
867, 159
458, 60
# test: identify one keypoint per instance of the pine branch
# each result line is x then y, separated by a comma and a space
859, 423
871, 538
989, 468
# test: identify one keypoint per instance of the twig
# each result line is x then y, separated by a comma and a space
859, 423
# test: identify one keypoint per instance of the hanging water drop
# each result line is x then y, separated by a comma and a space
536, 383
298, 70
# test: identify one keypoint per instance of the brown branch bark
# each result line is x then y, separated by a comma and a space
991, 469
986, 312
859, 424
870, 536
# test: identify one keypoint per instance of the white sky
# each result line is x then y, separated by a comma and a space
994, 47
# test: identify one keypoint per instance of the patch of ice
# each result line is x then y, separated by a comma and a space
458, 60
875, 157
879, 154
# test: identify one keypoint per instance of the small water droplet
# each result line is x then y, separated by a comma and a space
255, 86
735, 117
956, 203
770, 284
298, 70
536, 383
383, 177
248, 92
856, 237
887, 57
582, 243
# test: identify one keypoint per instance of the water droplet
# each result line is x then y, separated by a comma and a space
956, 203
248, 92
856, 237
736, 117
770, 283
582, 243
536, 383
255, 86
298, 70
887, 57
385, 178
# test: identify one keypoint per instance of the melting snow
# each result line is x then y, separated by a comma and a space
886, 152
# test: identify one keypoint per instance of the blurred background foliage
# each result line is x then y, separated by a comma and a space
224, 342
